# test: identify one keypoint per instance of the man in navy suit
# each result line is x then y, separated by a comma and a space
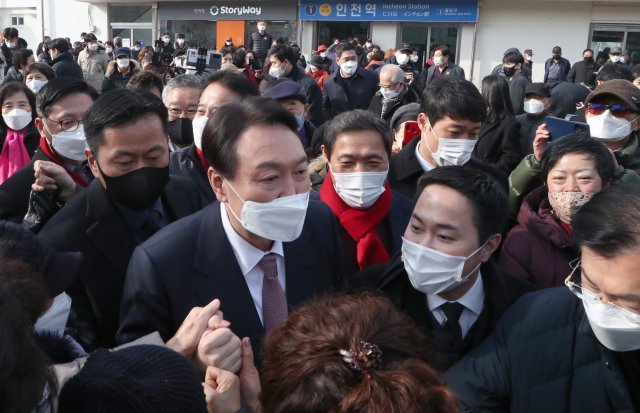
262, 249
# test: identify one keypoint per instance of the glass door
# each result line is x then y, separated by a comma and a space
426, 37
329, 31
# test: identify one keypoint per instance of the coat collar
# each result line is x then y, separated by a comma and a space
407, 164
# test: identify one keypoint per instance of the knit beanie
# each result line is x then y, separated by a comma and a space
136, 379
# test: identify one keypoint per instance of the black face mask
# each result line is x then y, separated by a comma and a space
181, 131
138, 189
588, 60
509, 71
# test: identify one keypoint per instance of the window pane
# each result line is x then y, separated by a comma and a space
605, 38
276, 29
130, 14
197, 32
328, 31
445, 36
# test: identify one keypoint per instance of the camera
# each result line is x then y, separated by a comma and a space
202, 59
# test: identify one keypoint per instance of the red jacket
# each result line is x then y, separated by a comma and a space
319, 76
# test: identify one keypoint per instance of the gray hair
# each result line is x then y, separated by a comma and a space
397, 74
183, 81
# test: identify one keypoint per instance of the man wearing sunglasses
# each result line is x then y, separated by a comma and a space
574, 349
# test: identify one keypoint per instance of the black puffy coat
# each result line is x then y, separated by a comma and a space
543, 357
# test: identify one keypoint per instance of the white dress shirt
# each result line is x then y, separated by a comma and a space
248, 258
424, 164
472, 300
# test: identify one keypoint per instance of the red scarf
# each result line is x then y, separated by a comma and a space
77, 178
203, 164
360, 224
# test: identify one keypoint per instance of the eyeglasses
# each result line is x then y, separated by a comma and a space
584, 294
180, 112
619, 111
68, 125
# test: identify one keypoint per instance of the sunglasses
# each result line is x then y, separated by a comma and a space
619, 111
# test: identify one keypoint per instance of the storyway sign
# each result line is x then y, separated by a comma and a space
459, 11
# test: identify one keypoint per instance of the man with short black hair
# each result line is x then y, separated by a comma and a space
556, 68
593, 327
451, 112
282, 65
584, 71
512, 68
262, 249
442, 67
357, 148
444, 278
350, 87
223, 87
59, 166
62, 61
132, 197
12, 42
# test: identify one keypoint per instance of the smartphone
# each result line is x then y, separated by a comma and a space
411, 130
558, 127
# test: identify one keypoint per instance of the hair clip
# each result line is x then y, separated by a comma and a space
363, 358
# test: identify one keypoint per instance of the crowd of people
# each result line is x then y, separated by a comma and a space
352, 232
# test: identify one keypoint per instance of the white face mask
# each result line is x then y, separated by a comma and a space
36, 84
198, 125
122, 63
323, 55
533, 106
17, 119
313, 69
69, 144
11, 45
607, 127
452, 151
613, 330
359, 189
388, 93
107, 49
414, 58
262, 27
279, 220
434, 272
93, 46
615, 59
438, 61
349, 68
55, 318
402, 58
166, 40
276, 72
180, 42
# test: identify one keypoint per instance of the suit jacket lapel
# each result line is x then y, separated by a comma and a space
221, 276
109, 232
301, 277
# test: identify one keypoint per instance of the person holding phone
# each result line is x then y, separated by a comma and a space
404, 125
613, 116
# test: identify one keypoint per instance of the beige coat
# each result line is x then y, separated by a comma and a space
94, 66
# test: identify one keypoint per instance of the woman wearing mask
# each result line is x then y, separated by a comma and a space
37, 75
541, 247
19, 137
498, 139
317, 70
109, 48
93, 62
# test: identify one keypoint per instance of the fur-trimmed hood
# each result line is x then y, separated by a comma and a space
112, 67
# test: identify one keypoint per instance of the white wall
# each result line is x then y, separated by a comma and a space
31, 30
385, 34
530, 25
